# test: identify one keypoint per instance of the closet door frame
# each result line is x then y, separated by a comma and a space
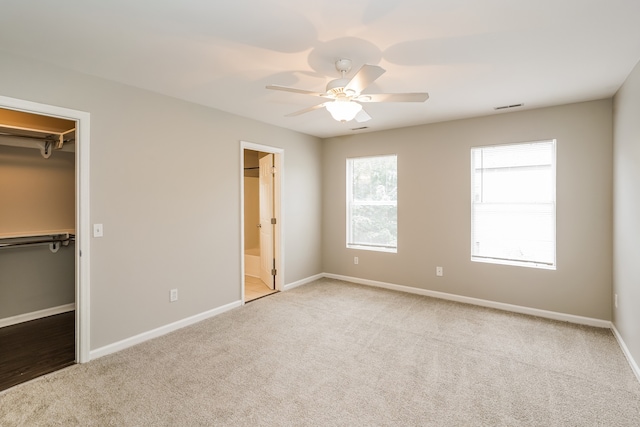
83, 235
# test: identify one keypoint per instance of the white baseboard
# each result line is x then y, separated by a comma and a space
20, 318
625, 350
121, 345
154, 333
502, 306
480, 302
137, 339
304, 281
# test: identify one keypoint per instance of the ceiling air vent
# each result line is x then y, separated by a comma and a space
504, 107
361, 128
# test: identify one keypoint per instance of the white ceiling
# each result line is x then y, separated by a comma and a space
470, 55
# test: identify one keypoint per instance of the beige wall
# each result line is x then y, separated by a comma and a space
33, 278
165, 182
36, 194
627, 212
434, 209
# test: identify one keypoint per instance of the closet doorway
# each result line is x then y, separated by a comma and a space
43, 290
261, 179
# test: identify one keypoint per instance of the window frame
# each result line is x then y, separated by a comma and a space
514, 262
350, 203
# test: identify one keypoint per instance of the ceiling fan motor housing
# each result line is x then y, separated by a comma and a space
343, 66
336, 89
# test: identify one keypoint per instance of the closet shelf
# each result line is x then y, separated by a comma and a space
38, 233
45, 140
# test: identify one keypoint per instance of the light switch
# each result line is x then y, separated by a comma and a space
97, 230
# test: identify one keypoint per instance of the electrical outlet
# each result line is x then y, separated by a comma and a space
439, 272
615, 299
173, 295
355, 260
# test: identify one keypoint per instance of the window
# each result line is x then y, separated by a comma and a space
372, 198
513, 204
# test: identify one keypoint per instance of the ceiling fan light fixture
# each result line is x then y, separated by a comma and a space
343, 111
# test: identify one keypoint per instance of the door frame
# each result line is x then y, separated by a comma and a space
266, 209
278, 185
82, 257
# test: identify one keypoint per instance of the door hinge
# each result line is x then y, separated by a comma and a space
273, 221
273, 170
274, 272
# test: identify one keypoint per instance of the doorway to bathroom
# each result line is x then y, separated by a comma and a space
262, 221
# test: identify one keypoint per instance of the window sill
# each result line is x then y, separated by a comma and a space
514, 263
373, 248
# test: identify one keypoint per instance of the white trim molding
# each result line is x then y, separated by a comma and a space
26, 317
162, 330
480, 302
626, 352
588, 321
305, 281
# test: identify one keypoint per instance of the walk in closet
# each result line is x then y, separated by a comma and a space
37, 245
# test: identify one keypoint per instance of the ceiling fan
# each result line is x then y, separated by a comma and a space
345, 95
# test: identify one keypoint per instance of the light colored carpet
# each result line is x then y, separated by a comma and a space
337, 354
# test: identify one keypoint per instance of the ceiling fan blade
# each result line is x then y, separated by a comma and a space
294, 90
366, 75
362, 116
393, 97
306, 110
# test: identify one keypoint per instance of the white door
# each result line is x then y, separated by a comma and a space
266, 214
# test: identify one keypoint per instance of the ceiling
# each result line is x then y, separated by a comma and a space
471, 56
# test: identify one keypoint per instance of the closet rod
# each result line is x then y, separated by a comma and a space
49, 137
54, 242
36, 138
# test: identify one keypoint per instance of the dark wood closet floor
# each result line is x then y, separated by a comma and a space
31, 349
